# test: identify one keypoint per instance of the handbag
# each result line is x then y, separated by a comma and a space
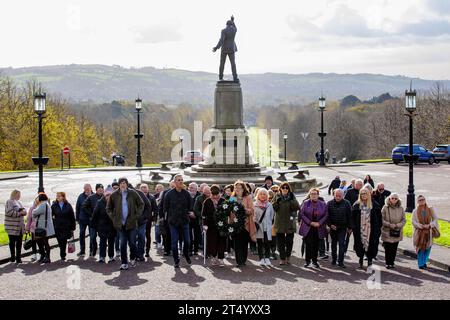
27, 245
260, 220
435, 232
71, 246
393, 233
41, 232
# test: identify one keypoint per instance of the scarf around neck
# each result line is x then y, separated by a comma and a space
365, 226
424, 216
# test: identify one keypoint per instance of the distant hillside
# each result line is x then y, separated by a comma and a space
100, 83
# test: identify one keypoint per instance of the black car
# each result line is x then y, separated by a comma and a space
442, 152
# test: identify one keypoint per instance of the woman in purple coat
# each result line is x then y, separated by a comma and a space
314, 215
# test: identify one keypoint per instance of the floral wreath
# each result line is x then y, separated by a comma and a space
230, 225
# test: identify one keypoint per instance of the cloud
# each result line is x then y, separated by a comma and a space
439, 6
427, 28
348, 22
158, 33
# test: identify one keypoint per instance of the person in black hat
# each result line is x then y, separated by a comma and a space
268, 182
89, 206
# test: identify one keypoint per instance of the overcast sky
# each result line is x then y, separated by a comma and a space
406, 37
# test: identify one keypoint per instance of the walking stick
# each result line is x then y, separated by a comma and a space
204, 246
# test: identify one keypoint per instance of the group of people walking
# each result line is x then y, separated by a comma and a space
186, 220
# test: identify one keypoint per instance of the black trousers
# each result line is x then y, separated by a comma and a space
196, 235
338, 237
167, 238
285, 242
44, 247
15, 247
312, 245
223, 57
241, 246
263, 247
62, 243
390, 250
273, 244
148, 236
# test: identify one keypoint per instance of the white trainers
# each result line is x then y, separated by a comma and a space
262, 262
268, 263
124, 266
34, 258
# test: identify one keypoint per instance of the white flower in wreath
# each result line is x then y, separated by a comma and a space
230, 229
236, 208
235, 220
225, 206
220, 224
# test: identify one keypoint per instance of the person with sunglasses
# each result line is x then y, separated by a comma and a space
313, 228
426, 227
394, 220
366, 224
286, 206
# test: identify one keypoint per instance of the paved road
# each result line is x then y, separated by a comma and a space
157, 279
432, 181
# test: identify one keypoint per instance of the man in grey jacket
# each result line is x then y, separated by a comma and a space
229, 47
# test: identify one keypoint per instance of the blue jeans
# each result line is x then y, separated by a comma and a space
92, 238
175, 237
422, 256
127, 237
117, 243
106, 242
141, 240
158, 237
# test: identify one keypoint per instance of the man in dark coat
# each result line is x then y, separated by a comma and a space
335, 184
142, 224
82, 218
104, 226
89, 206
178, 206
152, 217
194, 223
339, 221
229, 48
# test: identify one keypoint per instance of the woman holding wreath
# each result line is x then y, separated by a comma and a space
215, 241
242, 238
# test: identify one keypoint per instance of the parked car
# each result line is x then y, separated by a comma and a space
401, 149
193, 157
442, 152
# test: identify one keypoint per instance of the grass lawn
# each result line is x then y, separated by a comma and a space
444, 226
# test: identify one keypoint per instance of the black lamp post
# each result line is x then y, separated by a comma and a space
182, 165
40, 161
138, 135
411, 158
270, 155
285, 151
322, 105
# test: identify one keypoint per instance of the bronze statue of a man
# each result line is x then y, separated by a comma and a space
228, 46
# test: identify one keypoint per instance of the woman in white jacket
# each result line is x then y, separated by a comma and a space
264, 215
